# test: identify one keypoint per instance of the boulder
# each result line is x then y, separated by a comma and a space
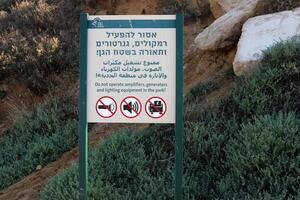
261, 32
225, 30
220, 7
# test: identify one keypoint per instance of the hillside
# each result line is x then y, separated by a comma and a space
242, 123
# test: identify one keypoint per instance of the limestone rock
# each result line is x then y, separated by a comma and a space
220, 7
39, 167
261, 32
225, 31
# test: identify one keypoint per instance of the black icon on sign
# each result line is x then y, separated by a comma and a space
156, 107
131, 106
107, 107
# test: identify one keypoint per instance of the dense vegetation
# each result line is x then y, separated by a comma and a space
280, 5
38, 41
38, 38
244, 147
37, 138
193, 10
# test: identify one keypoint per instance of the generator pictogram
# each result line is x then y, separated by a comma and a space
156, 107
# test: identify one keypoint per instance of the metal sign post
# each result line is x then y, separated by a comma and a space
179, 108
141, 56
83, 132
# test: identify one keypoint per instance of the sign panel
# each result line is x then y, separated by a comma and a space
131, 69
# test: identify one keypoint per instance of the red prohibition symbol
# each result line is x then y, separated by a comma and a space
131, 107
106, 107
156, 107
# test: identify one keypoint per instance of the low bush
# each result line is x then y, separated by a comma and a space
193, 9
37, 138
121, 165
281, 5
273, 87
5, 4
246, 147
264, 159
194, 101
199, 91
39, 38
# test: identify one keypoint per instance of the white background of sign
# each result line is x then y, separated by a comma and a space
96, 63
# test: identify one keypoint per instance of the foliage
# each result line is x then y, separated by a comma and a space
39, 38
200, 90
281, 5
36, 139
272, 88
121, 165
4, 4
193, 9
264, 158
194, 100
246, 147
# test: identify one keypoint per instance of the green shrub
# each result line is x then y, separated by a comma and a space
194, 104
272, 88
200, 90
193, 9
140, 165
130, 165
64, 185
205, 156
120, 166
4, 4
36, 139
281, 5
39, 38
264, 158
230, 151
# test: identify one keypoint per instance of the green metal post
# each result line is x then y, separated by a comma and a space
179, 108
83, 132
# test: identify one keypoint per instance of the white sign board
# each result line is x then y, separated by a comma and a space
131, 69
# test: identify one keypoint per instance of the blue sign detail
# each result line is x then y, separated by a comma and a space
98, 23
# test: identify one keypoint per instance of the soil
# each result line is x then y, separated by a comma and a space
17, 100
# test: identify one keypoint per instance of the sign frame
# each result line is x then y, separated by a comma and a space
83, 124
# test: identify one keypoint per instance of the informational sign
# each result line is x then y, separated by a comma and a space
131, 69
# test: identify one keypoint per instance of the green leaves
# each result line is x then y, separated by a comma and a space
245, 147
264, 156
37, 138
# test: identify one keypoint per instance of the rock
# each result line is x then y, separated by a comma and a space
261, 32
3, 14
39, 167
225, 31
220, 7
